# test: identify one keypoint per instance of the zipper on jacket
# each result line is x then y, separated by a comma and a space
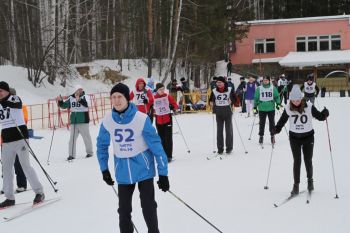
146, 160
129, 170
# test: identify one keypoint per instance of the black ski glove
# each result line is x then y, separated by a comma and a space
277, 130
325, 112
145, 101
163, 183
107, 177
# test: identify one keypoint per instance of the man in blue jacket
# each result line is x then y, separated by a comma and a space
136, 146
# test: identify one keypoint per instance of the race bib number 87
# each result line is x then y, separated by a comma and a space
4, 114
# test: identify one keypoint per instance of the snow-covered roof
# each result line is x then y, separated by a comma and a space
302, 59
266, 60
297, 20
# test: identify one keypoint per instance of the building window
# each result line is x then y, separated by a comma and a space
324, 43
318, 43
335, 42
301, 44
312, 43
265, 45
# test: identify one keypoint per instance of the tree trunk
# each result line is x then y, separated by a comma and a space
13, 44
177, 24
94, 41
149, 36
170, 29
77, 42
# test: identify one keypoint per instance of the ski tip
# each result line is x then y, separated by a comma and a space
275, 205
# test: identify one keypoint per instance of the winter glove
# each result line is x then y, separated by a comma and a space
255, 111
277, 130
107, 177
163, 183
278, 106
325, 112
145, 101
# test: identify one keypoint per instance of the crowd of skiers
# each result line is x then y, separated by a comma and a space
138, 146
263, 98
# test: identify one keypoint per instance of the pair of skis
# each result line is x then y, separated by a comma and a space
292, 196
218, 156
29, 209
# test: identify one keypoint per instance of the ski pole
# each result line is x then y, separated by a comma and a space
234, 118
330, 150
188, 149
214, 151
268, 172
51, 181
53, 134
116, 193
194, 211
251, 131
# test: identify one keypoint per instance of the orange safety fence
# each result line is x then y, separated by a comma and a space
49, 115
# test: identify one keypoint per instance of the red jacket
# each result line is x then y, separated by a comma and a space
140, 96
164, 119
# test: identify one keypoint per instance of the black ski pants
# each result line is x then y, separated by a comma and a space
221, 121
20, 176
283, 94
165, 132
262, 121
242, 102
307, 146
148, 205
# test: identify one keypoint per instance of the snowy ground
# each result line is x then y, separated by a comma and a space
228, 192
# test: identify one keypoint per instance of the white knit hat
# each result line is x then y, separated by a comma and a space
77, 87
295, 94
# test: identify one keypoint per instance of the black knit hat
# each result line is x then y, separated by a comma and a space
159, 85
122, 89
182, 79
310, 77
267, 77
4, 86
221, 79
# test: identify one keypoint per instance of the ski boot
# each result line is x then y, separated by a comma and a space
261, 139
39, 197
295, 190
7, 203
310, 185
273, 141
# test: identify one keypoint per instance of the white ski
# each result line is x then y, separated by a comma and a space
32, 208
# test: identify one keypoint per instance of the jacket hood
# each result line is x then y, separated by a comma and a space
138, 81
